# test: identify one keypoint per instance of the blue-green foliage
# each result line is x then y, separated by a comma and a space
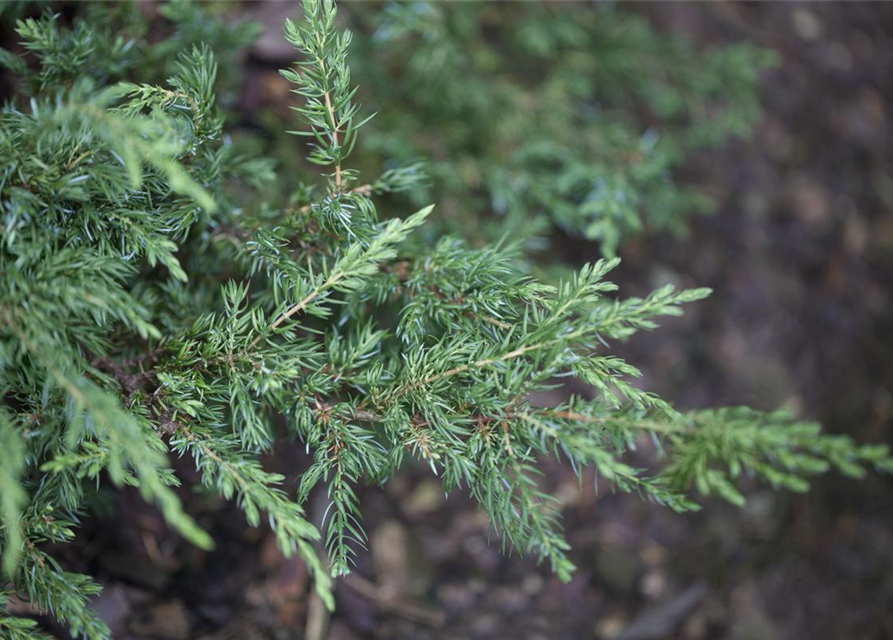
572, 116
154, 301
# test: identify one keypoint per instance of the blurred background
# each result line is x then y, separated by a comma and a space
788, 156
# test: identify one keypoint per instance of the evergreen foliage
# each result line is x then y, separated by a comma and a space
154, 301
550, 116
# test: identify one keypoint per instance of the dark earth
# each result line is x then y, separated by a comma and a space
800, 256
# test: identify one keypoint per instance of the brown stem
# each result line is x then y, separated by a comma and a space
408, 610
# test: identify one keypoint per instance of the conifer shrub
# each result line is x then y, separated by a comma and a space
569, 116
159, 301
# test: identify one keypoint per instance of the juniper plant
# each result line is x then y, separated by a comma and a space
154, 304
568, 117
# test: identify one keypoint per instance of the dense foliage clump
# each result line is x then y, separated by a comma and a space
157, 299
570, 117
